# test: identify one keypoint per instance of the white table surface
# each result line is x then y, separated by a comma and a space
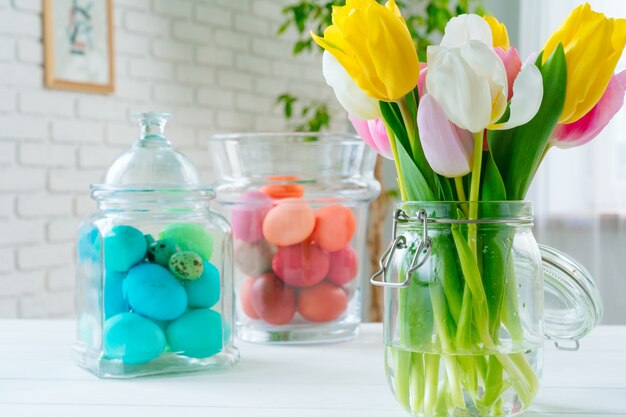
38, 378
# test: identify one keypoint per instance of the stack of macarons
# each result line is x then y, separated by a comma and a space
297, 260
158, 294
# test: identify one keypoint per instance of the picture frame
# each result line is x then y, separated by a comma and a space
79, 45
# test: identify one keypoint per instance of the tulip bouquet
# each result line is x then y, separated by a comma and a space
471, 124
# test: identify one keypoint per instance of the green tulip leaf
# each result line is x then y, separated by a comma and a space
493, 188
417, 188
518, 152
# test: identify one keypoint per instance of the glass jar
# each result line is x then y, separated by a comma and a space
464, 307
154, 267
298, 204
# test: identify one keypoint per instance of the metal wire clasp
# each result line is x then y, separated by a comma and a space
399, 242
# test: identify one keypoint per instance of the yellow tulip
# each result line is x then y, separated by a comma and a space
373, 44
593, 44
499, 33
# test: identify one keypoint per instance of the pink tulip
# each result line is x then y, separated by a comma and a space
420, 82
374, 134
512, 64
592, 123
447, 147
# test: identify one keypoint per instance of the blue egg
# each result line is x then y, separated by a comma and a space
204, 292
152, 291
89, 244
197, 333
114, 300
124, 246
132, 338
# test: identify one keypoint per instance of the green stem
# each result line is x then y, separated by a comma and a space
460, 188
417, 382
402, 363
396, 160
409, 122
440, 312
475, 191
431, 364
462, 336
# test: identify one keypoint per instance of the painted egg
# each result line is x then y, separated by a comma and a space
301, 265
186, 265
191, 237
153, 291
114, 300
149, 239
344, 264
254, 259
323, 302
289, 223
161, 251
248, 215
245, 295
89, 245
334, 227
204, 292
272, 300
281, 191
197, 333
124, 246
132, 338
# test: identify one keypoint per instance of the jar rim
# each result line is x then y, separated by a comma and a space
188, 191
305, 137
518, 211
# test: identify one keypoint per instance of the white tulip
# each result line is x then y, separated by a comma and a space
469, 81
349, 95
465, 28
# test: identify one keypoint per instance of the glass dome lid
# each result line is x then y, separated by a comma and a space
152, 163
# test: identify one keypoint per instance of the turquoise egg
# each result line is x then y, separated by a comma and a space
186, 265
89, 244
190, 237
132, 338
161, 251
197, 333
152, 291
124, 246
204, 292
114, 300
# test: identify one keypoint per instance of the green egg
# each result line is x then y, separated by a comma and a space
190, 237
161, 251
186, 265
149, 239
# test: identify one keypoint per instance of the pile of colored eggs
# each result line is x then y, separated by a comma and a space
297, 260
158, 294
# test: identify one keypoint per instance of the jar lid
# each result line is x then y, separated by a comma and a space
152, 162
572, 302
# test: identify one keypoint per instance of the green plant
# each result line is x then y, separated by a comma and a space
426, 21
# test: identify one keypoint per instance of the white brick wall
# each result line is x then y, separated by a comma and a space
217, 65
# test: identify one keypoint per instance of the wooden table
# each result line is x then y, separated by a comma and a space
38, 378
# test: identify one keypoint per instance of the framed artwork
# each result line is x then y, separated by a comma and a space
78, 45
